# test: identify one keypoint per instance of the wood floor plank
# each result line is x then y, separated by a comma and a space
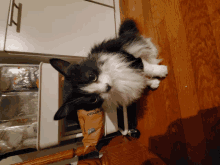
181, 60
203, 50
213, 6
214, 13
158, 11
149, 24
166, 104
189, 15
169, 94
157, 116
184, 76
215, 20
123, 9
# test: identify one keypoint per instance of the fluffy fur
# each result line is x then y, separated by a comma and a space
115, 70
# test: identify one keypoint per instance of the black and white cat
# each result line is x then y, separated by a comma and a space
115, 72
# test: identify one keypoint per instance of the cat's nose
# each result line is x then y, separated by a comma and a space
108, 88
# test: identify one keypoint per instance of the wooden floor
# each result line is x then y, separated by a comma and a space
180, 121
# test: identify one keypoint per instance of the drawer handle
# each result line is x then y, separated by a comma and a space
11, 21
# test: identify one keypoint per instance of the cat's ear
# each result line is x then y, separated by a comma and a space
86, 103
59, 65
67, 108
62, 112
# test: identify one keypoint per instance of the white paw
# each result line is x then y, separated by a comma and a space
155, 84
163, 71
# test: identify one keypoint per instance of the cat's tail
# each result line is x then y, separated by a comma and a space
128, 27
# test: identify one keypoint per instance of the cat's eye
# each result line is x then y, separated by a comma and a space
94, 100
92, 77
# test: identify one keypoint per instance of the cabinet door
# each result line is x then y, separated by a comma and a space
105, 2
67, 27
4, 7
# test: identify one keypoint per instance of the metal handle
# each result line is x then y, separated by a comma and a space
11, 21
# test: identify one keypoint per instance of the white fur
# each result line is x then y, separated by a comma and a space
127, 83
154, 70
149, 53
153, 83
144, 49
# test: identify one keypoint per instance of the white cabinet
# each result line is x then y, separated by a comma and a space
67, 27
4, 7
105, 2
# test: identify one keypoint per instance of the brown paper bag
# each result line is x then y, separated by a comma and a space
92, 125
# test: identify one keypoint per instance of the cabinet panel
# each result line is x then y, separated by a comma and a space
4, 7
67, 27
106, 2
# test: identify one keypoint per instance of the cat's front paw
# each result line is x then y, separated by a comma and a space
154, 83
163, 71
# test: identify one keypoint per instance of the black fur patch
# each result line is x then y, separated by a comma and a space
127, 27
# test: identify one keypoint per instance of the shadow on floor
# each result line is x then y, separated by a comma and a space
175, 149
